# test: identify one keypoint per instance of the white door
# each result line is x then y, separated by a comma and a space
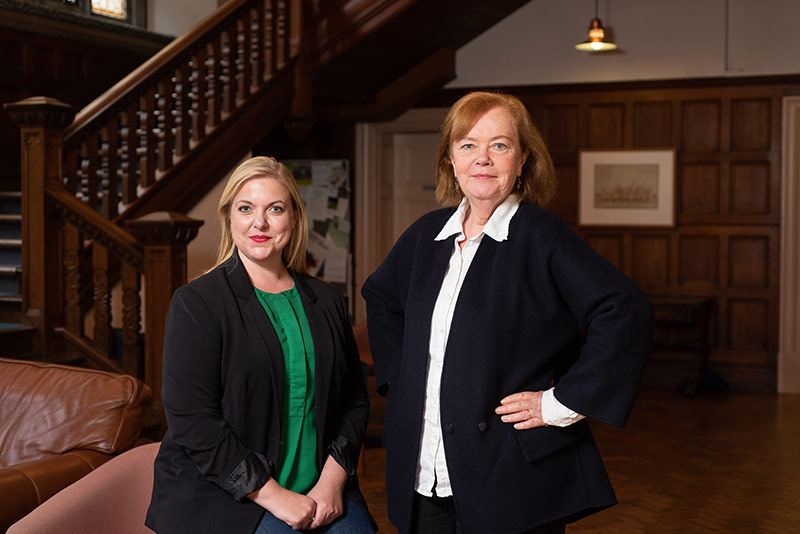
394, 175
413, 180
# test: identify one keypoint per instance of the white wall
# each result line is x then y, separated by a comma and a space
174, 17
657, 39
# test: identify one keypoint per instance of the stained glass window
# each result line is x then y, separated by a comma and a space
110, 8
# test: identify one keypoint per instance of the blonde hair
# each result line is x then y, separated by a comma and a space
538, 178
294, 254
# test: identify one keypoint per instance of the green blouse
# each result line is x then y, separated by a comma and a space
297, 457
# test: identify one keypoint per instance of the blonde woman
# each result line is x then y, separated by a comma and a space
262, 386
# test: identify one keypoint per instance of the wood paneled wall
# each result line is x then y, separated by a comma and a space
725, 244
70, 70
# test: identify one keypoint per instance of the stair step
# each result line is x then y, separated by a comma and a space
10, 226
10, 243
10, 308
10, 202
10, 270
14, 327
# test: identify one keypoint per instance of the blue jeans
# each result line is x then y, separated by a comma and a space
352, 521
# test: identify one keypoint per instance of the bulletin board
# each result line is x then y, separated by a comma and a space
325, 187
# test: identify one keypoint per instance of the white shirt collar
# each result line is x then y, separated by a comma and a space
496, 227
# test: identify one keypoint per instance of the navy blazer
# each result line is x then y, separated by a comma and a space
524, 311
223, 398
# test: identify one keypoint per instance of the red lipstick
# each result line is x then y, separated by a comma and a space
260, 238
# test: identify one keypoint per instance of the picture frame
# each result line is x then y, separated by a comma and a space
626, 188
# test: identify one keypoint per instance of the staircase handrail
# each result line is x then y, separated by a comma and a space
130, 86
97, 228
135, 138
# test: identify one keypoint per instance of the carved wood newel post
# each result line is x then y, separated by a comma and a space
42, 121
164, 236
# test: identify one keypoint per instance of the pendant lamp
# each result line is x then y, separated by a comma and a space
596, 41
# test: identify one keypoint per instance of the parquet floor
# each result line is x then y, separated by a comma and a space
718, 462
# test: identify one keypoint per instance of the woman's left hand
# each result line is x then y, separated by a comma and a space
524, 409
327, 493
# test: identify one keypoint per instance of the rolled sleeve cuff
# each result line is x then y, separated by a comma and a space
248, 476
345, 454
556, 414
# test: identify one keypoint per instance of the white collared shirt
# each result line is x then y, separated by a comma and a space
432, 465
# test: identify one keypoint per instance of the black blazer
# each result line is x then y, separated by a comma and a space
518, 325
223, 398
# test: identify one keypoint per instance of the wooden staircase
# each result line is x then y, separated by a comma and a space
96, 186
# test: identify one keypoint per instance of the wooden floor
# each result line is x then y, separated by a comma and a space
718, 462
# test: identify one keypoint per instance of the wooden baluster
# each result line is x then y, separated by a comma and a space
90, 186
102, 166
245, 55
230, 96
71, 170
258, 53
73, 318
164, 236
215, 102
147, 136
129, 154
199, 91
83, 165
103, 335
273, 37
166, 104
286, 33
131, 321
42, 122
111, 191
183, 93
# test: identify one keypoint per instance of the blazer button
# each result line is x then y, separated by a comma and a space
482, 426
449, 428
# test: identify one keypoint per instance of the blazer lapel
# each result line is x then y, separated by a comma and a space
425, 286
257, 325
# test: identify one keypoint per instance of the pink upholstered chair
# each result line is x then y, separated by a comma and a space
112, 498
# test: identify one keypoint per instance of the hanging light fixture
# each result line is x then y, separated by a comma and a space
596, 41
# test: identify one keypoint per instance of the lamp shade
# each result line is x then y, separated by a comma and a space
596, 41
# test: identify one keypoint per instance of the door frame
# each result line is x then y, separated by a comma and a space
373, 169
789, 326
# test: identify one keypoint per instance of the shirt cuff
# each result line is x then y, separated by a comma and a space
556, 414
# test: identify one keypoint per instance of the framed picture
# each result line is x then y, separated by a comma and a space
626, 188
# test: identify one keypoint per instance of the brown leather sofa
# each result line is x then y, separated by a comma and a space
57, 424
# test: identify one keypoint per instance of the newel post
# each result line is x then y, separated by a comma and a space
164, 236
42, 121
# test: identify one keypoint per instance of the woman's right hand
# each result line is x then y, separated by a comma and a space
294, 509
